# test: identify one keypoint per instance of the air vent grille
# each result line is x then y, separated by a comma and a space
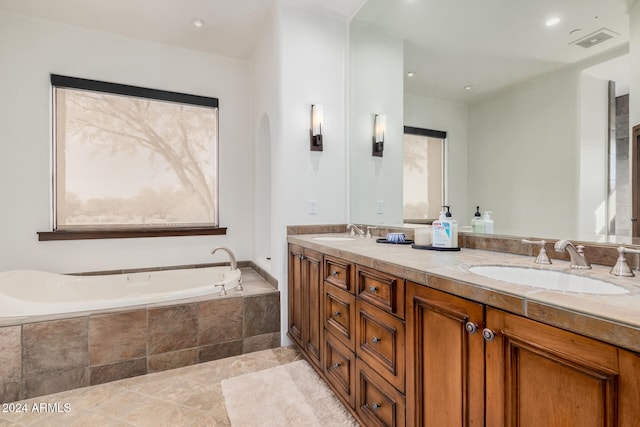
595, 38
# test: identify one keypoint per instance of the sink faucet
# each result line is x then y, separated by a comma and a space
232, 257
578, 260
622, 269
354, 229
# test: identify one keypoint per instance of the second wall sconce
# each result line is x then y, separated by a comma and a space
379, 129
316, 128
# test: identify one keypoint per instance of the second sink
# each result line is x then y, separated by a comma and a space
548, 279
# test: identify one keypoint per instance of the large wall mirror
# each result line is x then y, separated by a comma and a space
537, 114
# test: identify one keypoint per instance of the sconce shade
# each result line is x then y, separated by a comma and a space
379, 129
316, 128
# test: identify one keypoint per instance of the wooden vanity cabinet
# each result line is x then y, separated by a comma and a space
541, 375
305, 301
453, 362
445, 359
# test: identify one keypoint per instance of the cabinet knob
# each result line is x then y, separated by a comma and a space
336, 314
301, 256
335, 273
373, 289
471, 327
376, 406
488, 334
336, 365
376, 340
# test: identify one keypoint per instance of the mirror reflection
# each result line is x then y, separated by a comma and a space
537, 113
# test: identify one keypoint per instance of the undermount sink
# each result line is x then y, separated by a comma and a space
334, 238
548, 279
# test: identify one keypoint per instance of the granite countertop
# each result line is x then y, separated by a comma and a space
610, 318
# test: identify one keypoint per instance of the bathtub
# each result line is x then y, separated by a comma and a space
32, 292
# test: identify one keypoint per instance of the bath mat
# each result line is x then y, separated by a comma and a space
286, 395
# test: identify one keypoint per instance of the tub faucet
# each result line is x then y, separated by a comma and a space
232, 257
578, 260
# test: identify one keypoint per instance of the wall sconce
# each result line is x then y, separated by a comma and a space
379, 129
316, 128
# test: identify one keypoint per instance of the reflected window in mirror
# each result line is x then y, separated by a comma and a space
423, 174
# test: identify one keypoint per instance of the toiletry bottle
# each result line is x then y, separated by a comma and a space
477, 223
445, 230
488, 222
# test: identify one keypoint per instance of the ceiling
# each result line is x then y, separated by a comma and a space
490, 44
449, 44
231, 26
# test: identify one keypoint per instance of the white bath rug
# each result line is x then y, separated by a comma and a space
287, 395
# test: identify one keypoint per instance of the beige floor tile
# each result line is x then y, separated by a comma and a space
190, 396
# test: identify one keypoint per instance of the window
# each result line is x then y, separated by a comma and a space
424, 174
133, 159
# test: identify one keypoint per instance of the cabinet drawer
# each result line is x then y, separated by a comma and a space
377, 402
338, 273
339, 368
380, 289
381, 343
340, 314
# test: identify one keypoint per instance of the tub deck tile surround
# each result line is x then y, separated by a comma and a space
172, 328
116, 337
52, 355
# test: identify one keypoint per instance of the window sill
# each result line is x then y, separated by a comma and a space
126, 234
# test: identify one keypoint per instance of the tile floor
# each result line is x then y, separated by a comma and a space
189, 396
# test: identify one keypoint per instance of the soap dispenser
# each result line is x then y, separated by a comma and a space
477, 223
488, 222
445, 230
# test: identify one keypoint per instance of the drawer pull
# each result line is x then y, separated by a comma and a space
335, 273
376, 340
336, 314
376, 406
471, 327
488, 334
373, 289
336, 365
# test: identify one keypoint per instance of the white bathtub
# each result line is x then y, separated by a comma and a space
32, 292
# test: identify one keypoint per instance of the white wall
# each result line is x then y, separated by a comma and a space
32, 49
376, 87
428, 113
523, 157
312, 54
594, 129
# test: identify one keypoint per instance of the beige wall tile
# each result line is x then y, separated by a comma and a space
116, 337
172, 328
55, 345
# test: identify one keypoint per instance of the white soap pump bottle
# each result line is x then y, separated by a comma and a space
454, 228
488, 222
477, 223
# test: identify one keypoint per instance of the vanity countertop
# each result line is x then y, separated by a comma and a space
610, 318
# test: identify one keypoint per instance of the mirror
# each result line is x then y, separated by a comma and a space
528, 110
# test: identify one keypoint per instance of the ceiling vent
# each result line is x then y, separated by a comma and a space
595, 38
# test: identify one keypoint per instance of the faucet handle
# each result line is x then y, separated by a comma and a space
622, 268
369, 228
542, 257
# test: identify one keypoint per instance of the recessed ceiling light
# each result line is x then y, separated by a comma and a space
410, 74
198, 23
468, 87
552, 21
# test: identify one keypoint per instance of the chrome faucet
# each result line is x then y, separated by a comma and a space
232, 257
622, 269
354, 229
578, 260
542, 257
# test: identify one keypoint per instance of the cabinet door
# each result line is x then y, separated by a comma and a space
313, 295
445, 360
295, 294
538, 375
